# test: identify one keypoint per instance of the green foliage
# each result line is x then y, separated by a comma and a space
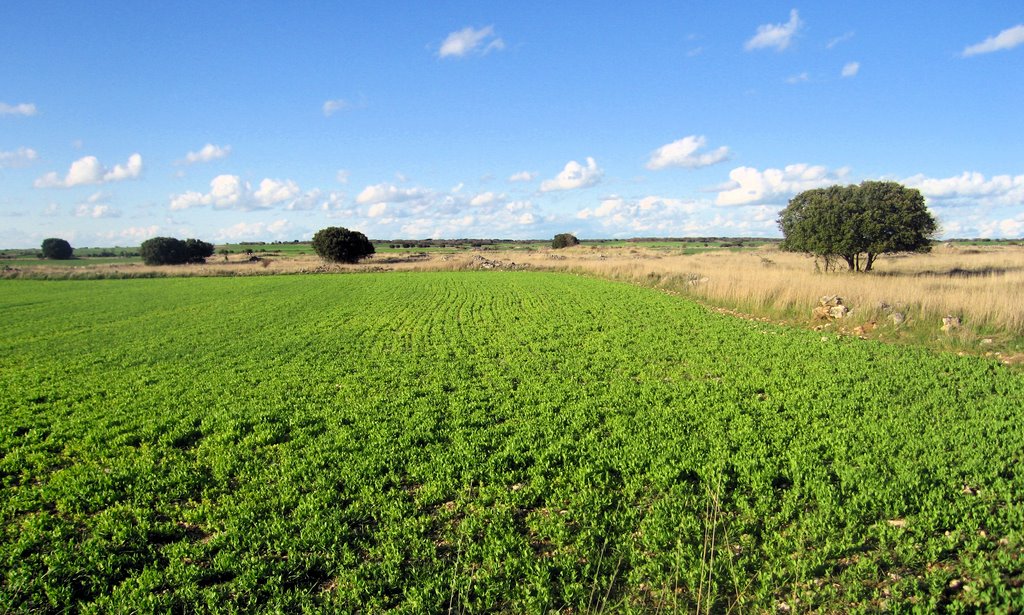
340, 245
480, 442
564, 240
57, 249
171, 251
856, 224
197, 251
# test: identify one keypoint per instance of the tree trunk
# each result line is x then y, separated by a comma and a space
851, 261
871, 261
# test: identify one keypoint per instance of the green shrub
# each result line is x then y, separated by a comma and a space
341, 245
564, 240
57, 249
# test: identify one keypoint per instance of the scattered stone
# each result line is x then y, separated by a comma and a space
950, 323
479, 262
986, 341
864, 329
830, 307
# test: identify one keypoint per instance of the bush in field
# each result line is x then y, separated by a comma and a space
171, 251
341, 245
197, 250
564, 240
57, 249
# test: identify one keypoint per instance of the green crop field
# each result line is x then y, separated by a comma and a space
492, 441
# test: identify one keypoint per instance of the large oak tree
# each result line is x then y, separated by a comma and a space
858, 223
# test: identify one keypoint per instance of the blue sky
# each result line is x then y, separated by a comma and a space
233, 121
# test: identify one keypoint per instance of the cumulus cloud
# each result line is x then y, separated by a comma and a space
95, 207
21, 157
683, 153
23, 109
485, 198
388, 193
377, 210
470, 40
342, 176
573, 176
749, 186
272, 191
88, 170
207, 153
850, 69
778, 36
230, 192
971, 188
1007, 39
244, 231
649, 214
96, 211
522, 176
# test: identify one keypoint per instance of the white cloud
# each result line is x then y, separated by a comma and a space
522, 176
1007, 39
801, 78
470, 40
127, 171
573, 176
96, 211
778, 36
376, 210
484, 198
88, 170
971, 188
839, 39
683, 153
342, 176
230, 192
850, 69
207, 153
244, 231
387, 193
749, 186
21, 157
272, 191
648, 215
24, 109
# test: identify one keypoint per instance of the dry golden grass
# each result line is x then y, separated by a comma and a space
982, 286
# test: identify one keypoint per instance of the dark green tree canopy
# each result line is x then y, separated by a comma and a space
338, 244
57, 249
197, 251
172, 251
564, 240
856, 224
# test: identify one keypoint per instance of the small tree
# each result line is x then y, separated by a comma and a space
564, 240
57, 249
341, 245
857, 224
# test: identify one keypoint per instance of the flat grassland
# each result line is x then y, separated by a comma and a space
488, 441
